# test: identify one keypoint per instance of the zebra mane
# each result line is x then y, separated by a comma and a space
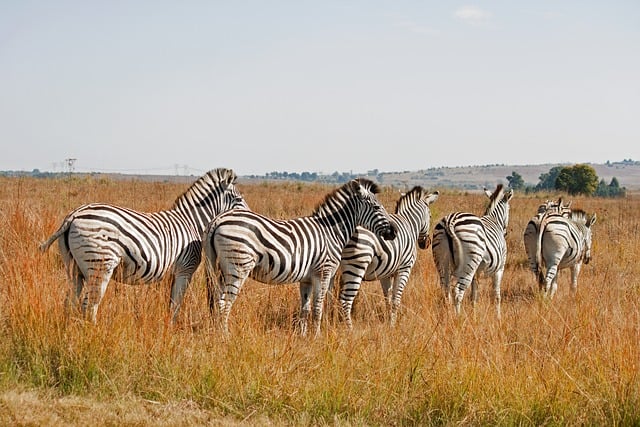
408, 196
204, 186
494, 199
351, 187
579, 216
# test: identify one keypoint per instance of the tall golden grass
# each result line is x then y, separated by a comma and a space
569, 361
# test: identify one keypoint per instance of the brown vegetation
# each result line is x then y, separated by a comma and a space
569, 361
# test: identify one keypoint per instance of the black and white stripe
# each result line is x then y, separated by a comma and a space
242, 244
368, 257
563, 243
530, 236
98, 240
465, 244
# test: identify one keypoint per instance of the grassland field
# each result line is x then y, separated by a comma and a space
569, 361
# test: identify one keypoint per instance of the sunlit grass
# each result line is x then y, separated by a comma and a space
568, 361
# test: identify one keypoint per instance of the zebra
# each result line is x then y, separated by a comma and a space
465, 245
530, 237
367, 257
563, 243
97, 240
242, 243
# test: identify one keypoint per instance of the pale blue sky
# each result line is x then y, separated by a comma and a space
324, 86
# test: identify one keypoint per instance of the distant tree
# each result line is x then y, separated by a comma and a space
611, 190
577, 179
548, 180
515, 181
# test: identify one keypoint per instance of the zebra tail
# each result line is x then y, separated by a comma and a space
540, 273
455, 247
63, 229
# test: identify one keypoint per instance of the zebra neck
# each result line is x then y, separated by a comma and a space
412, 216
341, 226
196, 218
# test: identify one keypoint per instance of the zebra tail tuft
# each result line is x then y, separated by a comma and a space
63, 229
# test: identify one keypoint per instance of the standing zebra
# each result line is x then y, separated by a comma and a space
97, 240
242, 243
531, 230
563, 243
465, 245
367, 257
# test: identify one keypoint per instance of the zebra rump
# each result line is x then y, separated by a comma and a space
530, 235
563, 242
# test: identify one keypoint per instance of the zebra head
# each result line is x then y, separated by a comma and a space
587, 221
370, 212
212, 194
499, 205
414, 206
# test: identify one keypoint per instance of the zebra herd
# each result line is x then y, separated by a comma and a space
349, 232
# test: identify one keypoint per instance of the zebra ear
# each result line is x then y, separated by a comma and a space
487, 192
509, 195
432, 197
591, 220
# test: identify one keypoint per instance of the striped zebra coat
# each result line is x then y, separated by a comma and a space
563, 243
100, 241
242, 244
465, 245
530, 236
368, 257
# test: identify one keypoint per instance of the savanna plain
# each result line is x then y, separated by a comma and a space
573, 360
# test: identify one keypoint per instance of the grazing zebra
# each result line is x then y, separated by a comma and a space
242, 243
97, 240
465, 244
563, 243
367, 257
531, 230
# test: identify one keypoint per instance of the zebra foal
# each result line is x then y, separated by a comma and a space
97, 240
563, 242
241, 244
368, 257
465, 245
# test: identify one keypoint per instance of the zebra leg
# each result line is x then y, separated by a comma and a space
76, 285
551, 279
75, 277
350, 285
461, 286
497, 294
387, 290
399, 282
575, 271
320, 288
305, 306
178, 289
95, 289
474, 291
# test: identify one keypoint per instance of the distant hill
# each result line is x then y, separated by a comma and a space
477, 177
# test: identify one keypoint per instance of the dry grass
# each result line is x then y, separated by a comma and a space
571, 361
